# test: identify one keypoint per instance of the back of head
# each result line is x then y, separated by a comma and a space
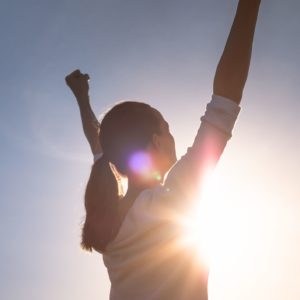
126, 129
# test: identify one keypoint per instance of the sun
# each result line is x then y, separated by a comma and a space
215, 228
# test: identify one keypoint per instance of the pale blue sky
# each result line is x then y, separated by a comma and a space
163, 52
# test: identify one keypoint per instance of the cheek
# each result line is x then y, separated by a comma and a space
174, 157
172, 142
171, 147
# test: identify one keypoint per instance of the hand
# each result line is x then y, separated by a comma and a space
79, 85
251, 3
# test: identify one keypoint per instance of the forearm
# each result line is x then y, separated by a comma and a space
233, 68
90, 124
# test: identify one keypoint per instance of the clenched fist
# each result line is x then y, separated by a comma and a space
79, 85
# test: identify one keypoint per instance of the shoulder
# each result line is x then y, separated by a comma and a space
151, 201
150, 210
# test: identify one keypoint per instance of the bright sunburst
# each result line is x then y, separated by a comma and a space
217, 227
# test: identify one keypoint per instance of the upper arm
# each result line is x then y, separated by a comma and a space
186, 176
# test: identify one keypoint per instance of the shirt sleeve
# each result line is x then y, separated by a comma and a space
184, 179
97, 156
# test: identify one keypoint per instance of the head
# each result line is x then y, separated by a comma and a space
136, 139
137, 143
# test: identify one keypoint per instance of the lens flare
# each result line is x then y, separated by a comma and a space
140, 163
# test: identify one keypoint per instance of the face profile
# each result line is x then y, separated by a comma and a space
164, 143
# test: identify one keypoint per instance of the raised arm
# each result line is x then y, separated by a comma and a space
189, 173
78, 83
232, 70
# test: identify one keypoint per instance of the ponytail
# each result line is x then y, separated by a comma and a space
128, 127
101, 205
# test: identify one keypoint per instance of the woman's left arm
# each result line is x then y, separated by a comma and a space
78, 83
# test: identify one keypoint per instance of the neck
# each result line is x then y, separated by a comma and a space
137, 186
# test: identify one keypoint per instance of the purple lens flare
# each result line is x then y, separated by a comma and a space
140, 163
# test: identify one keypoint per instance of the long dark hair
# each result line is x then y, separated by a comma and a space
128, 127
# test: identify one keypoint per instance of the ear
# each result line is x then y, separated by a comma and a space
155, 142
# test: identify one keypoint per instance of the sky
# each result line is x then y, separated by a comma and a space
165, 53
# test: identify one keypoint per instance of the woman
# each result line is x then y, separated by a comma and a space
139, 233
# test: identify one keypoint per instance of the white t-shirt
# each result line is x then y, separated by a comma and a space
148, 260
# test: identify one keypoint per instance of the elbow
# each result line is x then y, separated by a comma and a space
230, 80
229, 87
235, 96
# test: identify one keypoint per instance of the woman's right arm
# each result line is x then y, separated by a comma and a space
185, 178
233, 68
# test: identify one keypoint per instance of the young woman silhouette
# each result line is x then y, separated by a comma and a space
139, 233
